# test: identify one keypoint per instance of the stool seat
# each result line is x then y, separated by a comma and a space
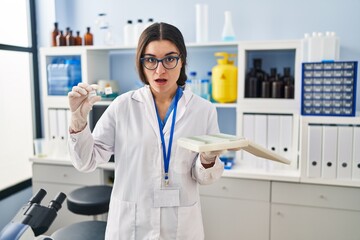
88, 230
89, 200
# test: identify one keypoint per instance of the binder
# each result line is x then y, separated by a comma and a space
329, 150
356, 154
62, 124
286, 139
61, 149
314, 151
345, 149
260, 136
273, 139
248, 160
53, 129
217, 142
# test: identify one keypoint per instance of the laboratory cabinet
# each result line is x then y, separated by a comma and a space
308, 211
236, 209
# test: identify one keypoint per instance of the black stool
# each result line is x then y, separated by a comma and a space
89, 200
88, 230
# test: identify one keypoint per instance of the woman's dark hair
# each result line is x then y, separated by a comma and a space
161, 31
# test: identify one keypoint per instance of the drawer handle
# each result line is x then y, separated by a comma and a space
224, 188
322, 197
65, 175
279, 213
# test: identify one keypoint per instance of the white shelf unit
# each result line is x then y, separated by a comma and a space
273, 53
100, 62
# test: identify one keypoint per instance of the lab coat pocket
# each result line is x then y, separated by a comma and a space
190, 224
121, 220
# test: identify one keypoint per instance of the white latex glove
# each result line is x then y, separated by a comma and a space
209, 157
81, 104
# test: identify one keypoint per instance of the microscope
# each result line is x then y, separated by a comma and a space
39, 218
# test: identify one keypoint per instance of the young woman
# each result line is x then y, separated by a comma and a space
155, 193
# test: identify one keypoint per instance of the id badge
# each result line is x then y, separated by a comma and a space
166, 197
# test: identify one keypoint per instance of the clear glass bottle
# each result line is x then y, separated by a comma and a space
228, 33
70, 40
54, 34
88, 37
60, 39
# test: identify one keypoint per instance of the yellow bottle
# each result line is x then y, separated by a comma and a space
224, 79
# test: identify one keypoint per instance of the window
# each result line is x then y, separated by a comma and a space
19, 98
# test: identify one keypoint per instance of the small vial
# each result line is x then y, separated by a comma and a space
108, 91
92, 93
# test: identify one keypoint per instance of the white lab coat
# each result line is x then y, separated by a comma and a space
129, 129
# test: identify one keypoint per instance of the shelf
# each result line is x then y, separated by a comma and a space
225, 105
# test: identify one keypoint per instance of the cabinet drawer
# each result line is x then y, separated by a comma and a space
65, 174
238, 188
316, 195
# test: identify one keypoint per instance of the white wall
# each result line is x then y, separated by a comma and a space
252, 19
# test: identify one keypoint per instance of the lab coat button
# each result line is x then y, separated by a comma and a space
73, 139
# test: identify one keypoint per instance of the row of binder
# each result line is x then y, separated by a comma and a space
333, 151
58, 122
274, 132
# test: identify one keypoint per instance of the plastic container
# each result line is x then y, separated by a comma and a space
129, 33
201, 23
195, 83
330, 47
315, 47
63, 74
224, 79
138, 29
205, 82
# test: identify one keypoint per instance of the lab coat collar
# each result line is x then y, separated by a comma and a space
145, 96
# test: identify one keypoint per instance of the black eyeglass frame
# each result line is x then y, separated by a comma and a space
160, 60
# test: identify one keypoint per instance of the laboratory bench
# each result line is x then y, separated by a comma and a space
241, 205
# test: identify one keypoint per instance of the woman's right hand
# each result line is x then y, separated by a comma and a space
81, 103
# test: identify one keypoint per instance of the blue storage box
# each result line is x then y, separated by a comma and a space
329, 88
63, 74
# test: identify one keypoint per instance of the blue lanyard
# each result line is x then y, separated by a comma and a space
167, 155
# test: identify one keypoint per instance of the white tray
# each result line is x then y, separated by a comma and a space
217, 142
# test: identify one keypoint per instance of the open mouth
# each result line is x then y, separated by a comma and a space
160, 80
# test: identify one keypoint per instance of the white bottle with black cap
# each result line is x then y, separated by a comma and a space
149, 22
138, 28
129, 34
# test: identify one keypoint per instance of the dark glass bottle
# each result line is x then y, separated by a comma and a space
277, 86
88, 37
60, 39
253, 84
254, 79
70, 40
288, 81
78, 39
54, 34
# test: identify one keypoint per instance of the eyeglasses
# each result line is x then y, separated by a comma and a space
151, 63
